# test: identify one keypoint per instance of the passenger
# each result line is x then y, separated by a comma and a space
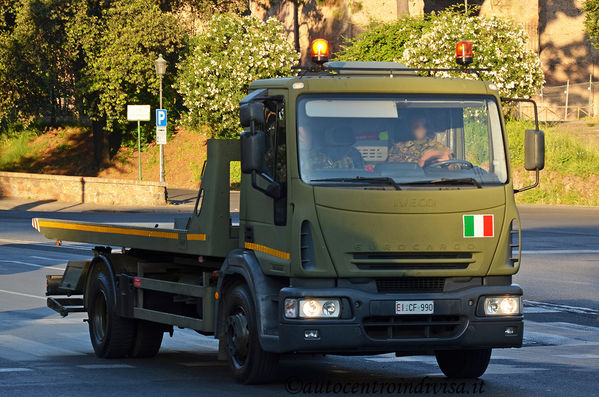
337, 151
421, 148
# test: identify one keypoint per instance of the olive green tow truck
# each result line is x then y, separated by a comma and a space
348, 239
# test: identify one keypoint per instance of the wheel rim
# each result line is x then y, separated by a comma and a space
99, 317
238, 337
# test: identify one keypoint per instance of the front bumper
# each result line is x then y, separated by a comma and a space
369, 323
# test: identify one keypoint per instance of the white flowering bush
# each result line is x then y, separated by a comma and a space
498, 44
223, 61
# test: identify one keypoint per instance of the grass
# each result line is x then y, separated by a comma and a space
571, 174
15, 147
563, 153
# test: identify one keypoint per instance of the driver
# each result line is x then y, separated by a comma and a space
421, 148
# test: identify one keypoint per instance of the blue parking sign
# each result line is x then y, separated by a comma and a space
160, 117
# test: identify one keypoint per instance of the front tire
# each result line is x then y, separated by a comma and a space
463, 363
111, 335
248, 362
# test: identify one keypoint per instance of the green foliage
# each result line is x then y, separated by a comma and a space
591, 20
498, 44
207, 8
14, 147
86, 59
34, 63
8, 13
120, 49
223, 61
382, 42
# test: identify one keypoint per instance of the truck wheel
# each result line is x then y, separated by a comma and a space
147, 341
249, 363
463, 363
110, 334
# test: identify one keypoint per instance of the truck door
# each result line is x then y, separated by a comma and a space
264, 219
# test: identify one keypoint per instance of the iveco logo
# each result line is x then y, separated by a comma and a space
420, 203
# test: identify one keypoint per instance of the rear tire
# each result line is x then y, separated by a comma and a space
248, 362
147, 341
463, 363
110, 334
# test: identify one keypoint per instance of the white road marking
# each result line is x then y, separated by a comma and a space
561, 308
22, 294
558, 252
580, 356
30, 350
47, 259
77, 246
14, 369
203, 363
390, 357
11, 241
105, 366
32, 264
534, 310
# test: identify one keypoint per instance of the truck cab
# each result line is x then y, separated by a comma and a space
385, 202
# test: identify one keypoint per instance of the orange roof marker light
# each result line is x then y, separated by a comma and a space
320, 51
463, 53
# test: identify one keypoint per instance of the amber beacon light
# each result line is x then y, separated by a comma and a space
320, 51
463, 53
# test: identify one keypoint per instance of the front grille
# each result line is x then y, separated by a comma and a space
398, 285
414, 327
412, 260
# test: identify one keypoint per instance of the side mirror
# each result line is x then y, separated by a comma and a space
252, 152
251, 113
534, 155
534, 150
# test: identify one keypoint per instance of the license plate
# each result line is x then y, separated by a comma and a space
414, 307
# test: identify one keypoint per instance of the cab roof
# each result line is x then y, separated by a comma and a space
374, 77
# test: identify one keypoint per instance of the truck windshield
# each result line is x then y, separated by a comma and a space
400, 140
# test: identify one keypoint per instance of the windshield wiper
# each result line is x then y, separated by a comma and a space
378, 180
447, 181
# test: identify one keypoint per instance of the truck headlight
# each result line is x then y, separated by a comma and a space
312, 308
503, 305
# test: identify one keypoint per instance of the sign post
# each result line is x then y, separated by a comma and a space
161, 137
138, 113
161, 64
161, 126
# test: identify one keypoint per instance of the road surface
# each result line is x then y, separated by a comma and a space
44, 354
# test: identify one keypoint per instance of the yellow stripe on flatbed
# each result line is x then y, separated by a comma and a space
120, 230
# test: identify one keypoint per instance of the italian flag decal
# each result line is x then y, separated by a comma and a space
478, 226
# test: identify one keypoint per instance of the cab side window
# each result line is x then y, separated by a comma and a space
275, 154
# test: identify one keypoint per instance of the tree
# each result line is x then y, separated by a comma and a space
35, 68
430, 43
119, 45
221, 64
591, 20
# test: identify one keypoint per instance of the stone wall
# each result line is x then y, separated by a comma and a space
76, 189
565, 50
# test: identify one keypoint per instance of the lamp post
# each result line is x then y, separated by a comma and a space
160, 64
